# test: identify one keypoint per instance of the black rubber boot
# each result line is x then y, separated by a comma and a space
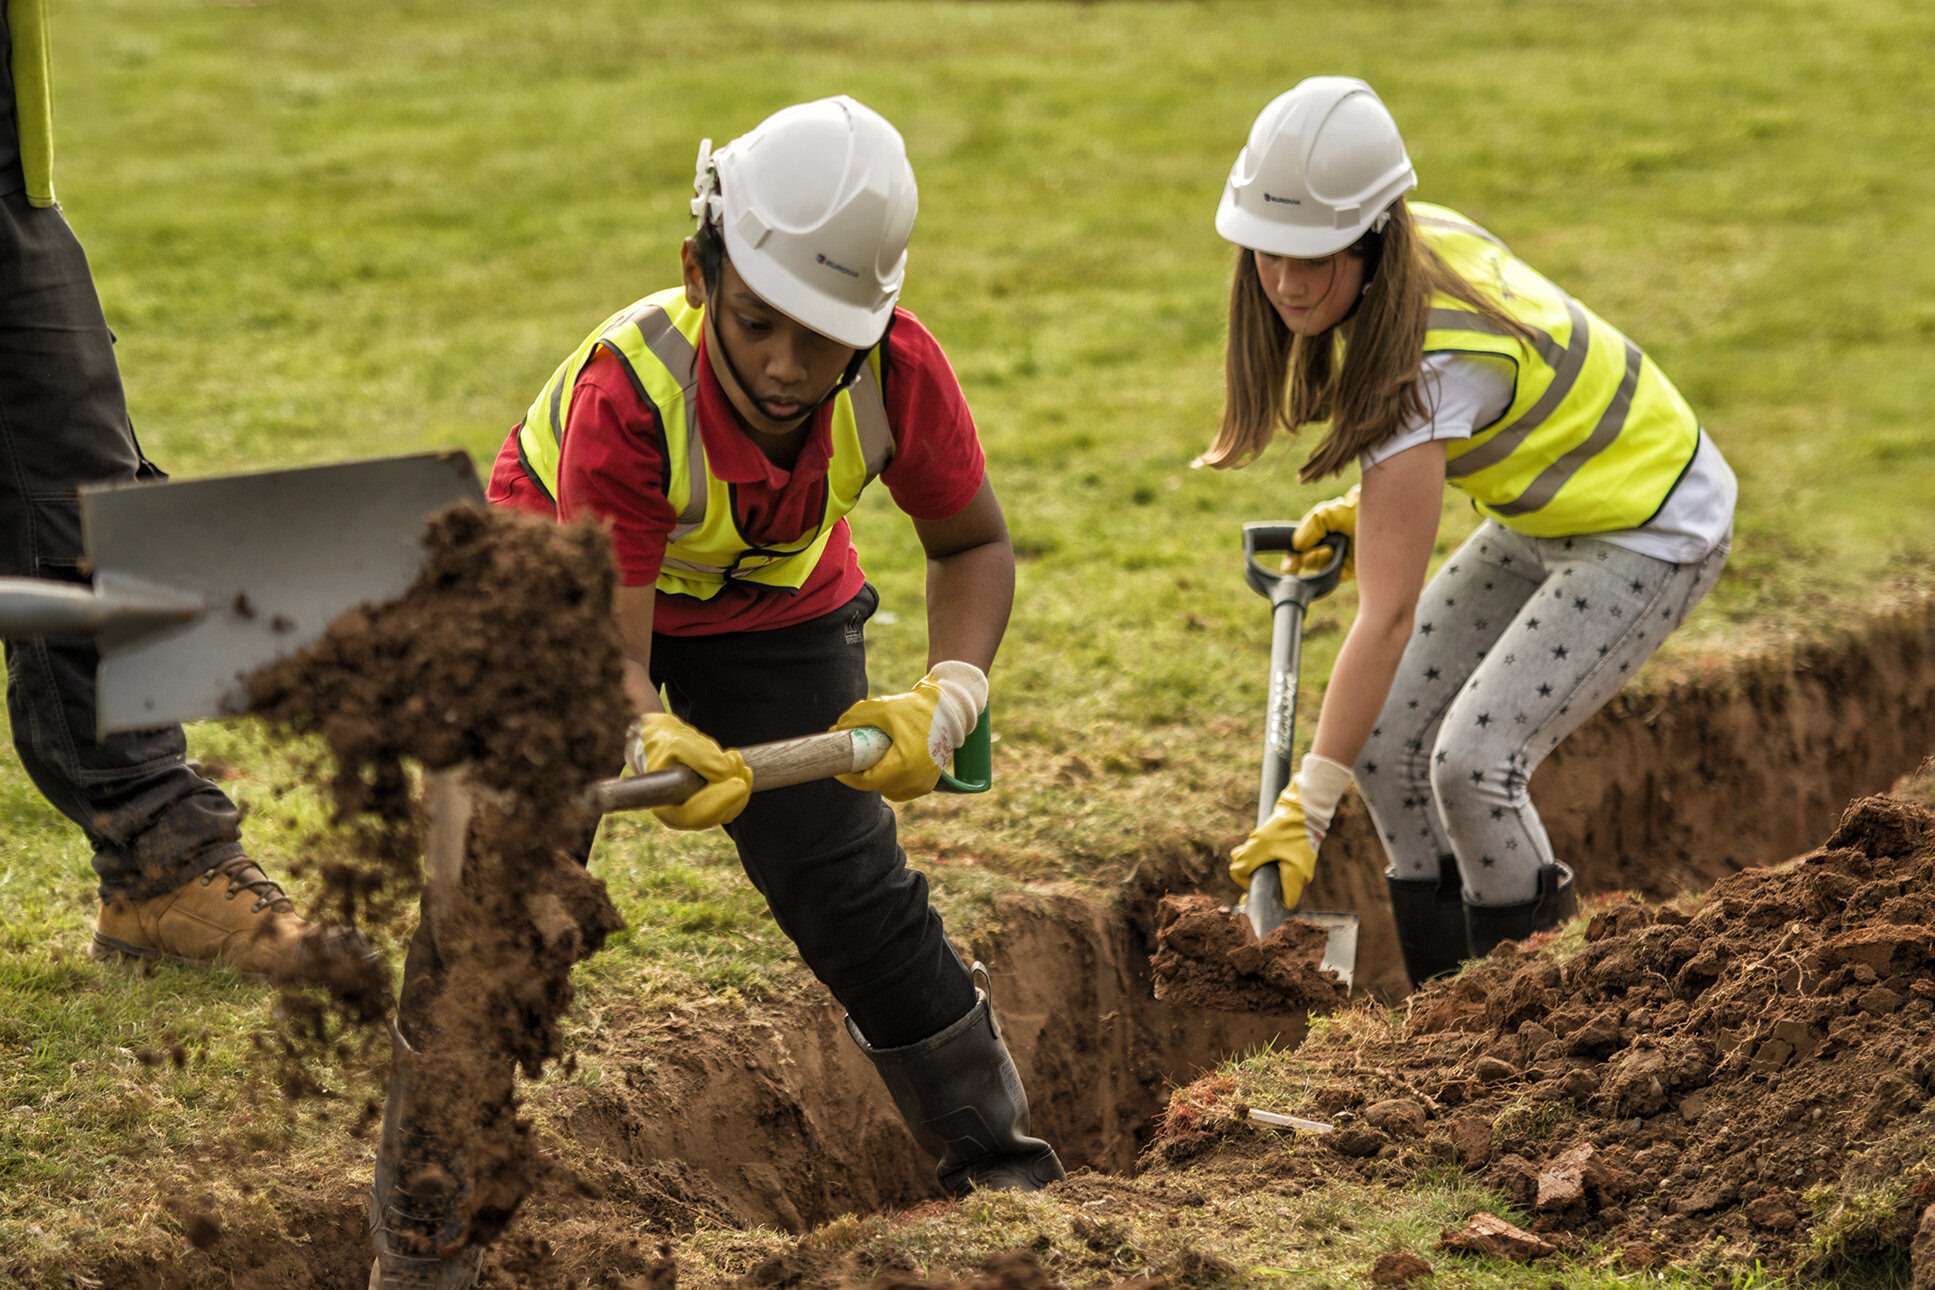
1487, 925
415, 1223
1430, 918
961, 1096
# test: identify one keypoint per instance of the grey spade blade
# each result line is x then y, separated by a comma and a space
1263, 906
274, 556
1340, 951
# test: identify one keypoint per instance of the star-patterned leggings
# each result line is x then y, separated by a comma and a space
1517, 641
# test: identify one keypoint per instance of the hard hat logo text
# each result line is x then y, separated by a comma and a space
836, 266
1283, 201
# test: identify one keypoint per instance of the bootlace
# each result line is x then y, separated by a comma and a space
243, 873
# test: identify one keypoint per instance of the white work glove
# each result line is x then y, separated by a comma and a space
926, 724
1290, 838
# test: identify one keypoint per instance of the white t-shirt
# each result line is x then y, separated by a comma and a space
1465, 391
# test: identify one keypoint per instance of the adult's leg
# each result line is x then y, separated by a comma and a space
153, 823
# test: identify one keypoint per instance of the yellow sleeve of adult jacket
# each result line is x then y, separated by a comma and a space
33, 96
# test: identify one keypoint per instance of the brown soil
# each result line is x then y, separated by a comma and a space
1208, 957
1731, 764
501, 663
1692, 1074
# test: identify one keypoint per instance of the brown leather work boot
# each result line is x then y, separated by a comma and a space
233, 914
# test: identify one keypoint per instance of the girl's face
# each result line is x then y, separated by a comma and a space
1311, 296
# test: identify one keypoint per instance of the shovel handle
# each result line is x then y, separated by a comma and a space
42, 607
775, 765
449, 800
1280, 586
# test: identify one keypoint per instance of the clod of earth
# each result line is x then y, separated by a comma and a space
1399, 1268
1490, 1235
1206, 956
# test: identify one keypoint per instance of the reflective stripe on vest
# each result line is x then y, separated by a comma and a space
656, 340
1595, 437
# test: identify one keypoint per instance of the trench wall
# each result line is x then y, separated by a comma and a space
782, 1121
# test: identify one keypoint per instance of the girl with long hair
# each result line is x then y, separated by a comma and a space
1430, 355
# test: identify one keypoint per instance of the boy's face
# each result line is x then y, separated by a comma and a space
783, 369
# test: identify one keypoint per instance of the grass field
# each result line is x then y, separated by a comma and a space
356, 229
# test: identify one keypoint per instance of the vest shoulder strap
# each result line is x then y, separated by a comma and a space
680, 359
870, 419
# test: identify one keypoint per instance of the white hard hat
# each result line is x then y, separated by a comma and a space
1323, 166
815, 204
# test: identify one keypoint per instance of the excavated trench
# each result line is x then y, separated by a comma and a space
706, 1117
781, 1122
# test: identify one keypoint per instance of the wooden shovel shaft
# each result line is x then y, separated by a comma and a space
774, 765
449, 800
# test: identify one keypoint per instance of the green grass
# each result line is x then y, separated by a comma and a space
358, 229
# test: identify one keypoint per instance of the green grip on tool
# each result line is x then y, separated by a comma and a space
973, 762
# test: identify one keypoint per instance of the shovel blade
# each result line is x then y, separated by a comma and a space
1340, 951
1263, 906
275, 556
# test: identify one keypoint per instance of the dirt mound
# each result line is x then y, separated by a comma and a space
1010, 1270
1206, 956
1756, 1068
501, 663
1712, 1082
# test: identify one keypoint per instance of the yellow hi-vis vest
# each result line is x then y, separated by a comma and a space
657, 340
1595, 438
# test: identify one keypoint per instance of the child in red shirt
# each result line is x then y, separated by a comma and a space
722, 431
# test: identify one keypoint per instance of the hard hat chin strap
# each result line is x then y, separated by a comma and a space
728, 372
1371, 248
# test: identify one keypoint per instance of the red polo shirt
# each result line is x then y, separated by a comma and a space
612, 466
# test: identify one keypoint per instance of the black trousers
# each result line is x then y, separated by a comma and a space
825, 856
153, 823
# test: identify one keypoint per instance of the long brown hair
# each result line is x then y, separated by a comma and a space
1274, 378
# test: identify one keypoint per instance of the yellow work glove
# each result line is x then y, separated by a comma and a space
659, 741
926, 724
1291, 836
1309, 555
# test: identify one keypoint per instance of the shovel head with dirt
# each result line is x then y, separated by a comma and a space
1264, 957
200, 582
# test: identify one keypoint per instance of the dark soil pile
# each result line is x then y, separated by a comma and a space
1011, 1270
502, 661
1757, 1070
1208, 957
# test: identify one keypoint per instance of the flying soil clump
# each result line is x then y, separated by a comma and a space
501, 661
1753, 1070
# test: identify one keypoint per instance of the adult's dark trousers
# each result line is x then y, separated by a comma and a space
825, 856
153, 822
